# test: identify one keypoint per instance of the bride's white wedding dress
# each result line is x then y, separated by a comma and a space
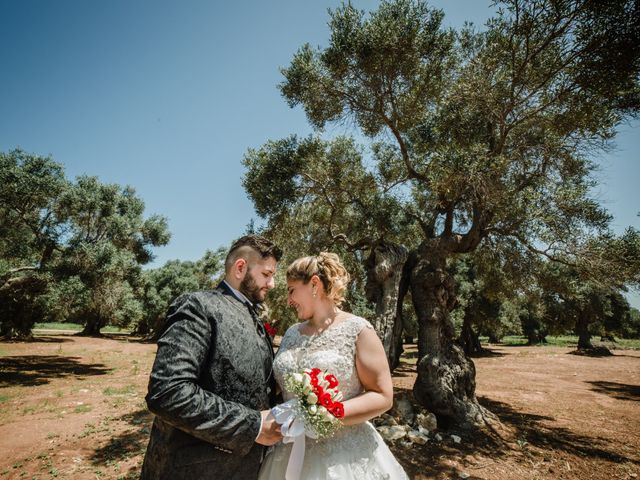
355, 452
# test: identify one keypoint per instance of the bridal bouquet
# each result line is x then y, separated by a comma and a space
315, 412
318, 400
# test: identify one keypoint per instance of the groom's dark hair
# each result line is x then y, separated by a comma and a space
258, 244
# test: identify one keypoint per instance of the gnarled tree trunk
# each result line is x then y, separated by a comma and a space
493, 337
469, 340
19, 310
384, 271
92, 327
582, 329
446, 376
536, 337
585, 347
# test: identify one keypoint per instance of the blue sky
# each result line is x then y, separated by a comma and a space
167, 96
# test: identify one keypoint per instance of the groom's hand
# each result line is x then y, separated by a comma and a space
270, 431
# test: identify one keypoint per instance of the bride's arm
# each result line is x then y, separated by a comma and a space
373, 372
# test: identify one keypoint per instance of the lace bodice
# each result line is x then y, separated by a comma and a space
355, 452
332, 350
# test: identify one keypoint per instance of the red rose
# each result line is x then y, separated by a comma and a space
270, 329
314, 380
333, 381
337, 410
315, 371
325, 401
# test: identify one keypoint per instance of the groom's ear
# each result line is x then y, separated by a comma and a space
240, 267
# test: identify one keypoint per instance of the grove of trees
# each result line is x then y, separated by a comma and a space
479, 141
461, 199
74, 251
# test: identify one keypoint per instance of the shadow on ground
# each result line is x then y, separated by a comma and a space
40, 339
131, 443
404, 369
621, 391
31, 370
487, 352
122, 337
534, 436
484, 352
534, 430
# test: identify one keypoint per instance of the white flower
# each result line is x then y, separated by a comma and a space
312, 398
313, 409
306, 380
298, 377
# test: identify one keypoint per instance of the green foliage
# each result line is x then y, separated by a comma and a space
486, 295
409, 319
160, 286
64, 299
29, 229
108, 212
107, 242
330, 185
569, 341
630, 325
533, 321
479, 135
29, 234
273, 182
588, 306
57, 326
69, 250
379, 69
481, 142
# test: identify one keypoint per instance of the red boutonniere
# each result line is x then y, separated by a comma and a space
271, 330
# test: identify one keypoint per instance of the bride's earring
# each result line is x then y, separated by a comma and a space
314, 293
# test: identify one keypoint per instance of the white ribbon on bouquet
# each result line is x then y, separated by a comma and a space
292, 427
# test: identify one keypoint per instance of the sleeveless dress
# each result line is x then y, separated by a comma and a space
355, 452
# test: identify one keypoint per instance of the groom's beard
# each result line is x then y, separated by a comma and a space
251, 290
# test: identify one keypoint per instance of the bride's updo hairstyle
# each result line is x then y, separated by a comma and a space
328, 268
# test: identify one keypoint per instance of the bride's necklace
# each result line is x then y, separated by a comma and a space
327, 325
318, 331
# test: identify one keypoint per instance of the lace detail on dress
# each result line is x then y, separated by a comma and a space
355, 452
333, 350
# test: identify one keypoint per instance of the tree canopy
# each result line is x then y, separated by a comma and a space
70, 249
478, 137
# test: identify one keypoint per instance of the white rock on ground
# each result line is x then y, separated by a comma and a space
392, 433
416, 437
427, 421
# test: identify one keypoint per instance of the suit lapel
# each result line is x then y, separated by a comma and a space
241, 303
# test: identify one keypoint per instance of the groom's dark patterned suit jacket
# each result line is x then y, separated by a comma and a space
211, 377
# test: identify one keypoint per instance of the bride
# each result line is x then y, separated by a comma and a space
347, 346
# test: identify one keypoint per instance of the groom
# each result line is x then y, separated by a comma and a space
211, 385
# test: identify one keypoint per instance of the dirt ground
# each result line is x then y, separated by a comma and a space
73, 408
